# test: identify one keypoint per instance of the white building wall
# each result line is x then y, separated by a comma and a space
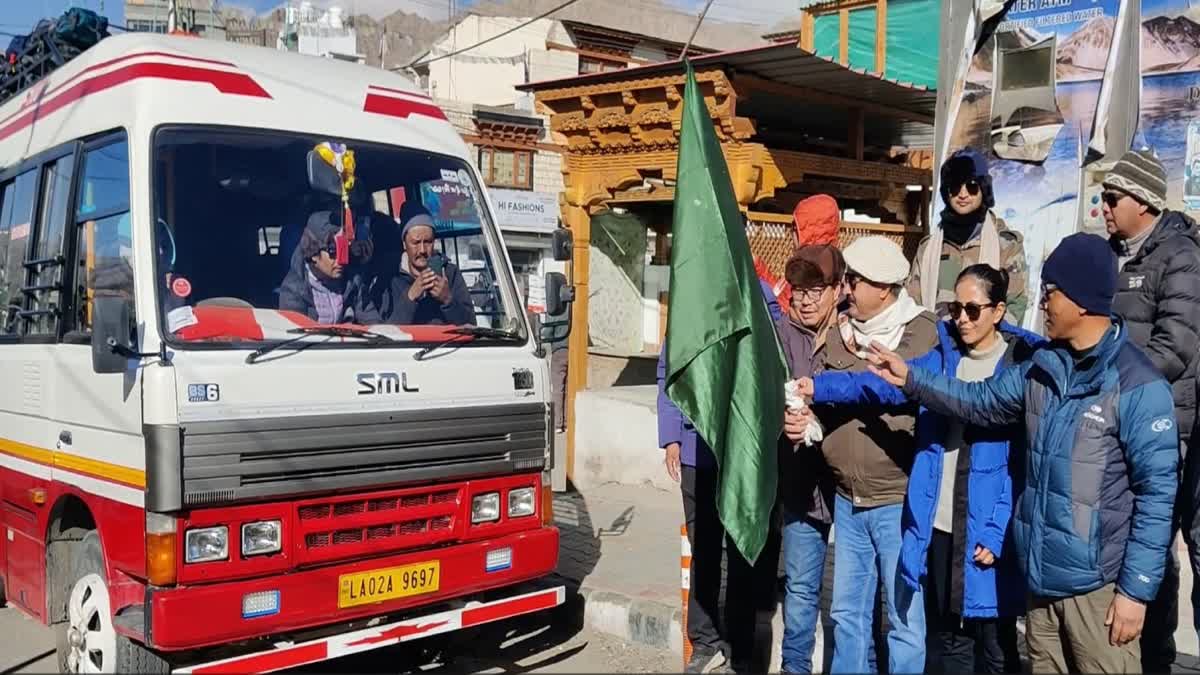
321, 41
488, 73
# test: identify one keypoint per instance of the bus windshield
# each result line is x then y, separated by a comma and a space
261, 236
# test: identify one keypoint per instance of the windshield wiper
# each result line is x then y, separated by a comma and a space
461, 332
329, 331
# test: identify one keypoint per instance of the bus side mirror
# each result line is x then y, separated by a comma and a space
562, 244
559, 295
112, 323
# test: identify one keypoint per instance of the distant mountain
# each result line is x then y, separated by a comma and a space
1169, 41
408, 36
1087, 48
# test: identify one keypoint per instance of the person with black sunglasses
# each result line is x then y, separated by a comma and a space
317, 285
960, 491
969, 233
1158, 296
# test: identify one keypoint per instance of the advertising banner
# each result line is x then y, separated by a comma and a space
1033, 93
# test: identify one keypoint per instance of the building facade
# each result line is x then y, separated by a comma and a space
194, 16
316, 32
512, 144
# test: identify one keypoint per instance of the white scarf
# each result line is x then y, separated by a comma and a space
885, 328
931, 260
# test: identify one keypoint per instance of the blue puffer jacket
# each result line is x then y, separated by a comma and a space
1101, 462
987, 592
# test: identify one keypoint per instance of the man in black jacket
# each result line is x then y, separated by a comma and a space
1158, 296
417, 294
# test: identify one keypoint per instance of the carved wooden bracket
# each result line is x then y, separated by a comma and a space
640, 114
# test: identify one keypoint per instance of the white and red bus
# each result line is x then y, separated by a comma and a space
194, 479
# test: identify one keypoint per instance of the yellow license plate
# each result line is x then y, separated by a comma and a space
364, 588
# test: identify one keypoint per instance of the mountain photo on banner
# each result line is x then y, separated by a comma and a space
725, 369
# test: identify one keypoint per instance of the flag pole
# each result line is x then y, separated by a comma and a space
695, 29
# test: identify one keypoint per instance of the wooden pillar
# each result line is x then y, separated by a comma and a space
844, 37
807, 25
580, 223
881, 36
857, 139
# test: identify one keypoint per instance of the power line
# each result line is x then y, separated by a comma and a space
510, 31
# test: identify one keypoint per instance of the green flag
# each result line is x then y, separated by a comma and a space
725, 370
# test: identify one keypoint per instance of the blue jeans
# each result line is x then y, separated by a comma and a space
804, 544
866, 547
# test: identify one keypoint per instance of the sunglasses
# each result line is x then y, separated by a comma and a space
972, 310
972, 186
1112, 198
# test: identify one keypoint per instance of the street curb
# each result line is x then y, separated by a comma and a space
643, 622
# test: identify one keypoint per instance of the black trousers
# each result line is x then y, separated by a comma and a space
558, 386
1162, 615
954, 644
707, 538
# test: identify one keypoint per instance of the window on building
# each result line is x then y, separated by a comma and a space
507, 168
16, 218
104, 256
589, 65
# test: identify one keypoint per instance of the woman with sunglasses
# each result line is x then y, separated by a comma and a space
960, 491
969, 233
316, 284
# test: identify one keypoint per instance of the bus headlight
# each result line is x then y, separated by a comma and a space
485, 507
521, 502
261, 537
207, 544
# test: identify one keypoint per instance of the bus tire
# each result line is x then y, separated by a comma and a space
87, 641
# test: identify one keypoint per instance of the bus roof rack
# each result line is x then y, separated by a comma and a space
50, 45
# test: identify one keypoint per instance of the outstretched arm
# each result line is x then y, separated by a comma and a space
994, 402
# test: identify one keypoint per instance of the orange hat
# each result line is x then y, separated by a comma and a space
817, 220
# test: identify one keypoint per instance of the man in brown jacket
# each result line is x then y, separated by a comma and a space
870, 454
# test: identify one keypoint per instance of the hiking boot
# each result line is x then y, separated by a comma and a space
705, 660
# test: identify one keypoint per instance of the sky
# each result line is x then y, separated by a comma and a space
21, 15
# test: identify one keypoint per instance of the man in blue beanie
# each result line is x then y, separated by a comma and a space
1092, 520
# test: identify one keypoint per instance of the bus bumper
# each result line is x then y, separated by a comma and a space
189, 618
290, 655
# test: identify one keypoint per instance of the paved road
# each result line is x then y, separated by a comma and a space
553, 642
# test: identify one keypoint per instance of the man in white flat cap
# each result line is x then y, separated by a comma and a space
870, 450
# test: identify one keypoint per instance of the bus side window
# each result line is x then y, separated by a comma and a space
104, 254
16, 216
44, 296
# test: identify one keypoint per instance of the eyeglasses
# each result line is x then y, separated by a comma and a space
972, 310
1113, 197
972, 186
853, 280
812, 295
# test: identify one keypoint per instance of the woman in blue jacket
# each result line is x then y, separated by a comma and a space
960, 490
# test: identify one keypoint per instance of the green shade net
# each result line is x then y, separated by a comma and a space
913, 28
826, 31
861, 53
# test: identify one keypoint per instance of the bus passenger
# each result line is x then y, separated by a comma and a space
421, 292
316, 284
